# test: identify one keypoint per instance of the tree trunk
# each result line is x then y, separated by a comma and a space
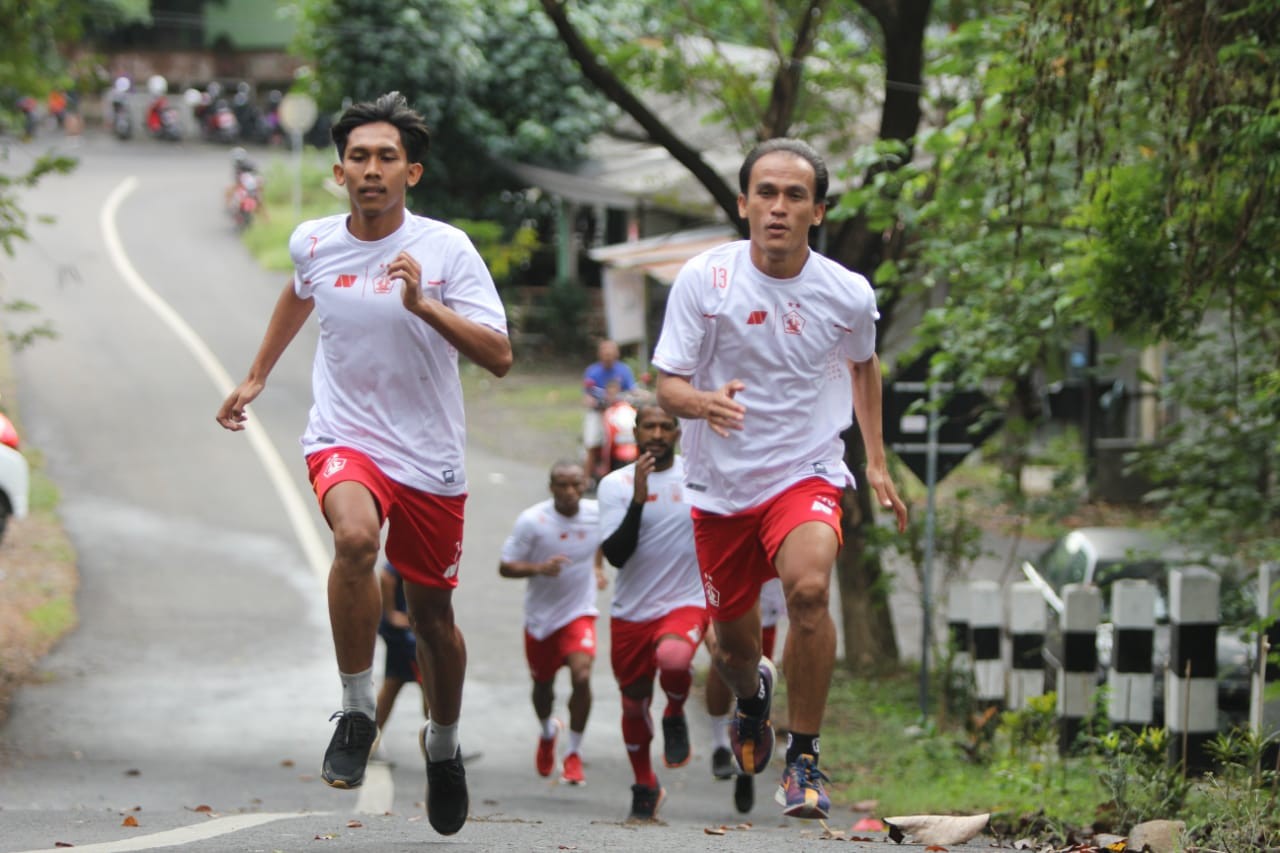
869, 641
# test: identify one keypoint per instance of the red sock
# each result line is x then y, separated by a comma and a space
637, 734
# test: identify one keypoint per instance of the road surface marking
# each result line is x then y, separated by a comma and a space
183, 835
295, 506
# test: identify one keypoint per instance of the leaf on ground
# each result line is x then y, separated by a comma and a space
354, 824
129, 820
133, 771
203, 808
287, 762
936, 829
715, 830
63, 844
328, 836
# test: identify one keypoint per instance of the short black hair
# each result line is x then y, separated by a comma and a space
392, 108
796, 147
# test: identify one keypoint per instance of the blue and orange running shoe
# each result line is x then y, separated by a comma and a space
801, 793
751, 738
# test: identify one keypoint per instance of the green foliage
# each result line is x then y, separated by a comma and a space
1137, 775
1216, 466
490, 77
1235, 807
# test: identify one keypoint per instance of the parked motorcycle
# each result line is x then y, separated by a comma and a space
163, 121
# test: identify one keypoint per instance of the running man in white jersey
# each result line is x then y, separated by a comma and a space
397, 297
768, 350
658, 615
554, 545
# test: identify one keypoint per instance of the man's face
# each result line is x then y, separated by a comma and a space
567, 486
656, 434
375, 169
607, 353
780, 206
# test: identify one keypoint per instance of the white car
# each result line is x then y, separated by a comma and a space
15, 476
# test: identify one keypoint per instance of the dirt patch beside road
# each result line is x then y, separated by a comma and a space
38, 581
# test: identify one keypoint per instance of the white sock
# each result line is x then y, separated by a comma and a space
550, 727
575, 743
357, 692
720, 732
442, 741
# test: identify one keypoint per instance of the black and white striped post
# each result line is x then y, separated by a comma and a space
1130, 682
1191, 684
958, 625
984, 642
1027, 622
1077, 678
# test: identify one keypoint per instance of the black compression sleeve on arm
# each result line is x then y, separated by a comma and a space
621, 544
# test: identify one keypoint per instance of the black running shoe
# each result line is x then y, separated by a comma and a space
744, 793
447, 800
645, 802
675, 740
722, 763
349, 749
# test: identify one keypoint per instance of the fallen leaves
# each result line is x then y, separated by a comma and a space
129, 820
936, 829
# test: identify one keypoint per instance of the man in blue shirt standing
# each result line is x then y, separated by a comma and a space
595, 381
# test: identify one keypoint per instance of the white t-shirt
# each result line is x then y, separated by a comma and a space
386, 383
541, 533
789, 341
662, 574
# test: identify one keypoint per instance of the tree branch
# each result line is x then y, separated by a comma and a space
615, 90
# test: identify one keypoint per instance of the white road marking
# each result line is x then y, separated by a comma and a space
295, 505
183, 835
378, 791
377, 794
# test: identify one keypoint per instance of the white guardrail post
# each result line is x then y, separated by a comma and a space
1027, 622
1077, 677
984, 642
1130, 682
1191, 684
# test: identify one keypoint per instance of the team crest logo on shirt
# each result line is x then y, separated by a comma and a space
382, 285
333, 466
792, 322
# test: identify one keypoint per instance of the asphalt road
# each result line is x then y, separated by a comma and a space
194, 697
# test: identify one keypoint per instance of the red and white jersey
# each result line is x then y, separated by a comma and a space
662, 574
541, 533
789, 341
386, 383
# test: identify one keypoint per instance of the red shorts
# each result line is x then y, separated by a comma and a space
548, 655
736, 551
632, 644
424, 531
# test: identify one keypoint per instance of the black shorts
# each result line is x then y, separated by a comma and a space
402, 663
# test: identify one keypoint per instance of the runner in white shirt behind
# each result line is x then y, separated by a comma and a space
658, 615
767, 350
554, 544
